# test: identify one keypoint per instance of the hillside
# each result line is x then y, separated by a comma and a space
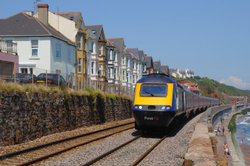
213, 88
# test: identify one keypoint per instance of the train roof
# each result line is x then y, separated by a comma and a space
156, 78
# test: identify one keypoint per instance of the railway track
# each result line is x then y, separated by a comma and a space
41, 152
106, 158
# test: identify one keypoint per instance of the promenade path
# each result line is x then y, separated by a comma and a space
235, 158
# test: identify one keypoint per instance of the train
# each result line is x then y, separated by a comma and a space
159, 99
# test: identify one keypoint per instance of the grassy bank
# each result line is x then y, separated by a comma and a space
61, 90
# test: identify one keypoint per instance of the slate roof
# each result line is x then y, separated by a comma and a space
96, 29
157, 65
118, 43
110, 44
90, 34
74, 16
134, 51
164, 69
23, 24
148, 60
129, 54
141, 55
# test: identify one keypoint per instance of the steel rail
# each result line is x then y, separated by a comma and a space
109, 152
33, 149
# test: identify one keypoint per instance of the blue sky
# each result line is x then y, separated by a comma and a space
210, 37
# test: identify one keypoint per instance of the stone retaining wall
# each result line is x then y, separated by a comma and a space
27, 116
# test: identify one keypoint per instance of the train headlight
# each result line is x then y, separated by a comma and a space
163, 108
138, 107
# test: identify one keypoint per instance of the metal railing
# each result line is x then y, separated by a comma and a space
71, 83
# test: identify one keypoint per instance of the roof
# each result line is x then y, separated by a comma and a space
134, 51
129, 54
96, 29
118, 43
90, 34
148, 60
141, 55
164, 69
159, 78
110, 44
74, 16
28, 26
157, 65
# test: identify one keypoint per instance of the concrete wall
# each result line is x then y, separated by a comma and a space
27, 116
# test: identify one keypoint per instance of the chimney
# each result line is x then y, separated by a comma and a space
43, 13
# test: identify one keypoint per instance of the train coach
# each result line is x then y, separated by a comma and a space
159, 99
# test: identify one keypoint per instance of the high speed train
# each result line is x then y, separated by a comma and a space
159, 99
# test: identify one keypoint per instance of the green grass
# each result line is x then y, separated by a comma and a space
9, 87
210, 87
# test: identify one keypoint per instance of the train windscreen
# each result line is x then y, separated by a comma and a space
156, 90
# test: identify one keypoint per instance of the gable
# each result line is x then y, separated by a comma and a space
102, 36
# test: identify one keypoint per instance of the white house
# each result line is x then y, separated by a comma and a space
40, 47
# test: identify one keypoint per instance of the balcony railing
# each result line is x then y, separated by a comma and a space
8, 47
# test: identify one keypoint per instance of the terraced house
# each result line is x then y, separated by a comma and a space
71, 25
97, 53
119, 44
41, 48
137, 61
111, 53
121, 61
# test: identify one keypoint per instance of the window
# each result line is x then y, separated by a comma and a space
127, 77
92, 67
92, 47
79, 65
111, 55
34, 47
134, 65
58, 50
79, 41
159, 90
100, 71
123, 75
128, 63
123, 60
111, 74
115, 58
114, 73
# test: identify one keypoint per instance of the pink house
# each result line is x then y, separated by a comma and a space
8, 58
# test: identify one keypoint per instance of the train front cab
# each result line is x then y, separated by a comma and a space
154, 105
